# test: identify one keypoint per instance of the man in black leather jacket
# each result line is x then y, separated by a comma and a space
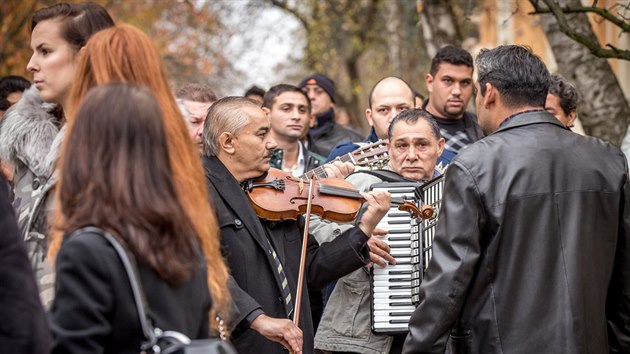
532, 249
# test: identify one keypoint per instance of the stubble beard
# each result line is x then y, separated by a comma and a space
454, 113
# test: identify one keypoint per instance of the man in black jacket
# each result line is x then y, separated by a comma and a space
326, 133
532, 248
263, 256
450, 86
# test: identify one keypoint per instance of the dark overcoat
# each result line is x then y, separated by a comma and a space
257, 288
23, 328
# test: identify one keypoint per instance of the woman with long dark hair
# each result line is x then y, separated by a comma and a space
115, 175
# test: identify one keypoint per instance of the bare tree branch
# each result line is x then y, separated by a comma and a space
284, 5
604, 13
592, 44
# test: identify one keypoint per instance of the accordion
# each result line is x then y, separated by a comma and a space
395, 288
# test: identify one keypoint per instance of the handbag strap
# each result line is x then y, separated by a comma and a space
131, 269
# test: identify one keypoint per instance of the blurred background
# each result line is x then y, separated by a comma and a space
234, 44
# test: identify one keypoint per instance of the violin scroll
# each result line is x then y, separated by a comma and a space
425, 212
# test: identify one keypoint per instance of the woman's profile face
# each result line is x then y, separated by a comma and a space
52, 63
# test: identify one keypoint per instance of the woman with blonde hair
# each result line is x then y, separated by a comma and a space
125, 54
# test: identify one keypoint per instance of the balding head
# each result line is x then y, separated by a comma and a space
388, 98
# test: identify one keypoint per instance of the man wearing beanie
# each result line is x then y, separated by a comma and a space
320, 89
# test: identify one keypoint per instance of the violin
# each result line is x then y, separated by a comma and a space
280, 196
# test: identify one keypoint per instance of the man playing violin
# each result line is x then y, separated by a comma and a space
263, 256
415, 144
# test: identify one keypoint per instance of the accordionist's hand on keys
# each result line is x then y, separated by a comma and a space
280, 330
338, 169
378, 203
379, 249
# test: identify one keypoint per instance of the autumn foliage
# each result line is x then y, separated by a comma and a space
182, 30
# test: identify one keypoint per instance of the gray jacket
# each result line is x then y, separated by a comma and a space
30, 139
345, 324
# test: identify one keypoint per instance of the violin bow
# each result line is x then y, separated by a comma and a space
298, 295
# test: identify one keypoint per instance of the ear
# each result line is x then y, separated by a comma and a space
441, 143
428, 80
266, 110
312, 120
490, 98
226, 143
368, 116
572, 118
79, 54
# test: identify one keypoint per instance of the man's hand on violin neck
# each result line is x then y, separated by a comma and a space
379, 203
280, 330
338, 169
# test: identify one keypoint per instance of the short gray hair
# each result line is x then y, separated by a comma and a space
412, 116
225, 115
197, 93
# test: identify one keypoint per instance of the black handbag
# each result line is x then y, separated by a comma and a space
156, 340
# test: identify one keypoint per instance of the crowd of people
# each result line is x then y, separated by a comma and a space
531, 252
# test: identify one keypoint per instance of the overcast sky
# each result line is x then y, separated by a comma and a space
274, 38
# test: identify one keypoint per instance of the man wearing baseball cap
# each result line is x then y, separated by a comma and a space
320, 89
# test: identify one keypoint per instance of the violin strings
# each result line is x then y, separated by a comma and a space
340, 191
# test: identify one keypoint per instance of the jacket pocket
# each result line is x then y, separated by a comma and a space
352, 317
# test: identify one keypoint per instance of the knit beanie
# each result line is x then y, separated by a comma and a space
322, 81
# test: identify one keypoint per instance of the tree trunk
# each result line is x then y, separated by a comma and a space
394, 25
439, 26
352, 67
603, 109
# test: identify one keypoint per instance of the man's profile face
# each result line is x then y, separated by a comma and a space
390, 97
195, 118
450, 90
289, 115
253, 145
320, 101
552, 105
414, 150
